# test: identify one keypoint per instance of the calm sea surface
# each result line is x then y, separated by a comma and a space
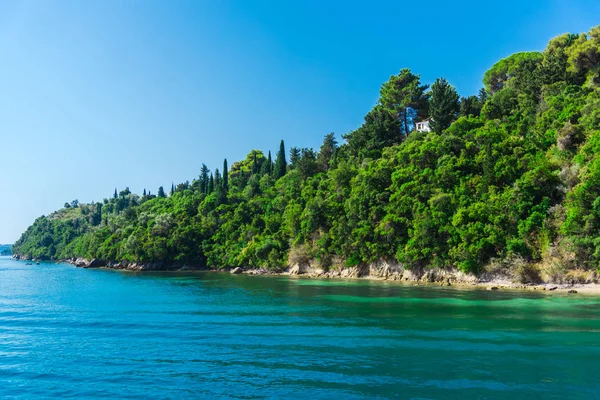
69, 332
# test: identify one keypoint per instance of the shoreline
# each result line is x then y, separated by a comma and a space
381, 271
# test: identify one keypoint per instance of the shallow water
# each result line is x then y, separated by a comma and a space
69, 332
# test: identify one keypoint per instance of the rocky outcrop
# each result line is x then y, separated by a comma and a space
95, 263
236, 270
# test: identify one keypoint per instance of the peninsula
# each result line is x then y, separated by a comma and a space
505, 183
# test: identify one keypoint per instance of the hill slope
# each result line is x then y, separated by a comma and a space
513, 185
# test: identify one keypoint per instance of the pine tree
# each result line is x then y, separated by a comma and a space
294, 157
225, 176
405, 98
204, 179
443, 106
172, 189
115, 195
161, 192
327, 151
280, 162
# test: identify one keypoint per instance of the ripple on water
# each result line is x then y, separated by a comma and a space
67, 332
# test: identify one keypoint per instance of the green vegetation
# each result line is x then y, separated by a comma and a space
5, 249
510, 174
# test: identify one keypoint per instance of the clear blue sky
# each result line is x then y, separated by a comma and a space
102, 94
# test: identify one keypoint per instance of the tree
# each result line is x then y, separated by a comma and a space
380, 129
115, 195
172, 188
204, 179
405, 98
144, 194
280, 162
469, 106
74, 203
308, 163
267, 166
294, 157
67, 205
161, 192
443, 105
218, 181
326, 152
225, 176
211, 184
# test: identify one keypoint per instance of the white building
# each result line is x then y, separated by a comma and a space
423, 126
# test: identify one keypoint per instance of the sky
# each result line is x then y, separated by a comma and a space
98, 95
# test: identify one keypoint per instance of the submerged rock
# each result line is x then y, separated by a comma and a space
572, 291
492, 288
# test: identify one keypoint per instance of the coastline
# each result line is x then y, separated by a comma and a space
379, 271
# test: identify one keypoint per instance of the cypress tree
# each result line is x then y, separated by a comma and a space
280, 162
225, 176
255, 167
144, 192
211, 184
115, 195
218, 181
172, 189
204, 179
161, 192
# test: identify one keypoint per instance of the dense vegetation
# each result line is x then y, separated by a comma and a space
510, 174
5, 249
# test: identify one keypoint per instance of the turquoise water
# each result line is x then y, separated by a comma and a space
69, 332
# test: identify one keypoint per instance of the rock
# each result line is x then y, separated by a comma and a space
572, 291
553, 288
95, 263
236, 270
298, 269
81, 262
492, 288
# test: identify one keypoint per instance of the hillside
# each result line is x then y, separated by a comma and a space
507, 181
5, 249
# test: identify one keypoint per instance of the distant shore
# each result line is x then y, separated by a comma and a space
382, 271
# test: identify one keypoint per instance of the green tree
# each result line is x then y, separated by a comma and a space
225, 176
405, 98
280, 162
443, 105
161, 192
294, 157
204, 171
327, 151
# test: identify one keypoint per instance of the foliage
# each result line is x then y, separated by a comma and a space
513, 175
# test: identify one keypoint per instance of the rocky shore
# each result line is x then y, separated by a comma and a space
382, 271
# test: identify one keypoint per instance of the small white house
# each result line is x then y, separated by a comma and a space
423, 126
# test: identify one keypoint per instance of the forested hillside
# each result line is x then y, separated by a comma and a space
509, 178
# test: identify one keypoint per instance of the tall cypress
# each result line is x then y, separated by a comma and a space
280, 162
144, 192
115, 195
211, 184
172, 189
225, 176
269, 164
161, 192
